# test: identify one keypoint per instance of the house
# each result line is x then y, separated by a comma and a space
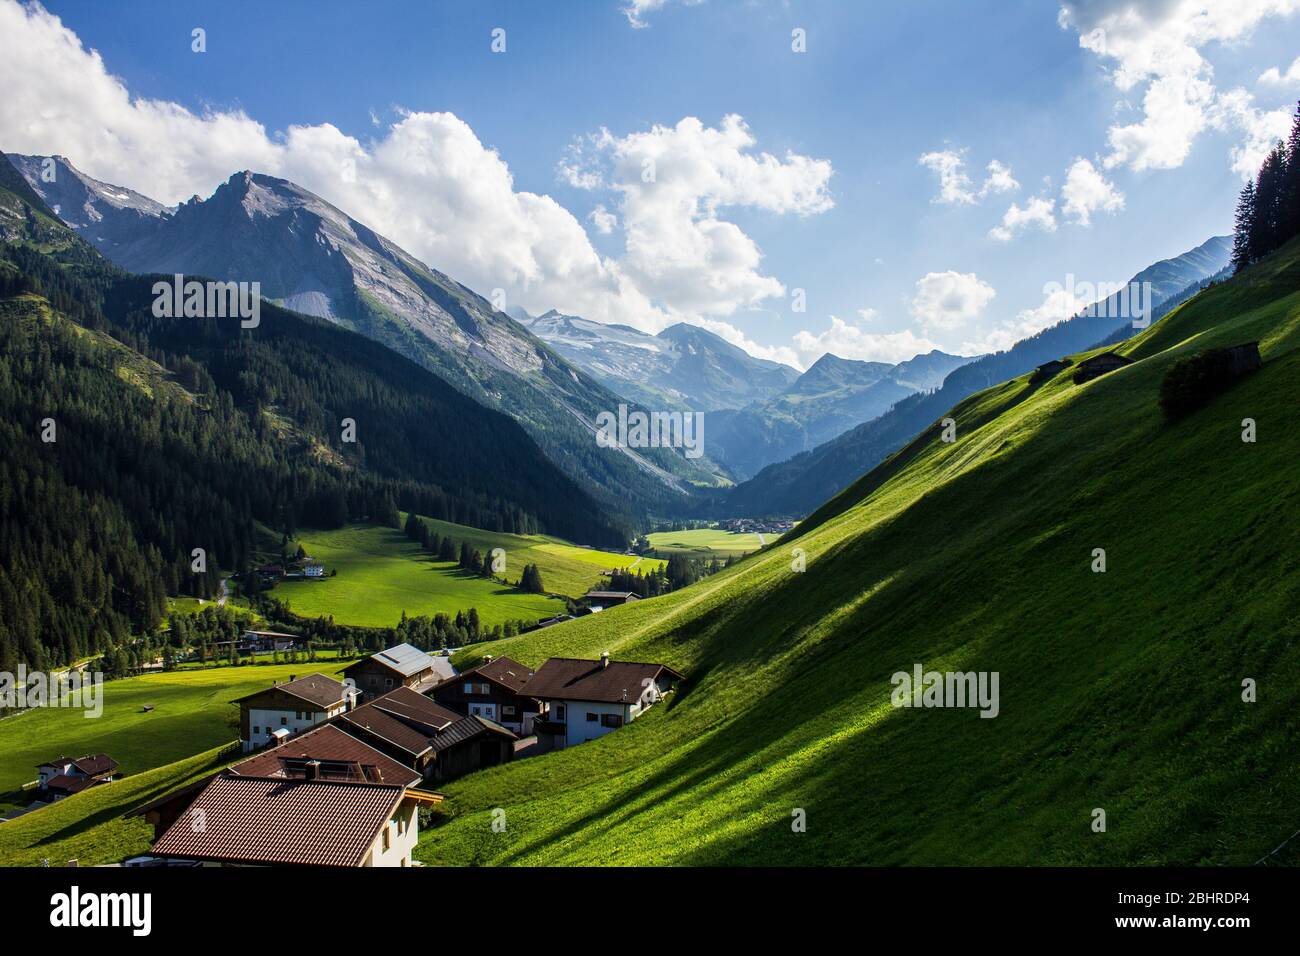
1098, 366
491, 690
604, 599
64, 776
327, 752
242, 820
437, 743
584, 699
282, 710
313, 570
400, 666
1048, 370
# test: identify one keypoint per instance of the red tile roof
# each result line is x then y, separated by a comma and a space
258, 820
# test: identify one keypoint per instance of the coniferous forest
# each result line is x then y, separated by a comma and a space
1268, 210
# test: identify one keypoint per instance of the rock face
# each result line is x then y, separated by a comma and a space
683, 367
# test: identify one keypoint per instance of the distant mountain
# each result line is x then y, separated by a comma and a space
833, 396
683, 367
802, 483
313, 258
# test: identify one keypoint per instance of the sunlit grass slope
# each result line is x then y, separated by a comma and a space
707, 543
1120, 691
381, 573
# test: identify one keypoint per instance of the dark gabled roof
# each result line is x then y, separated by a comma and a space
386, 727
1123, 359
260, 820
567, 678
316, 689
620, 595
409, 706
507, 672
92, 765
65, 784
340, 754
468, 728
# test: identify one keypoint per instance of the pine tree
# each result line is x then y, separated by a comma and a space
1244, 226
1291, 183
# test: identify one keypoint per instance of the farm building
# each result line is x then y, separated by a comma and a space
438, 743
64, 776
281, 710
491, 690
604, 599
583, 699
1098, 366
401, 666
1244, 358
1048, 369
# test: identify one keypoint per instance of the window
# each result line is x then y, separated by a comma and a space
591, 718
257, 730
611, 720
284, 721
387, 839
469, 687
388, 682
507, 710
559, 712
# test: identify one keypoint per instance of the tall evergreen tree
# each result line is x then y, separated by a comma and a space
1243, 228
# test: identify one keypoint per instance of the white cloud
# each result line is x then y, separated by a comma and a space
1261, 129
955, 186
1058, 305
774, 353
1156, 47
945, 301
603, 219
1038, 212
427, 182
1275, 77
852, 342
635, 10
674, 183
1086, 191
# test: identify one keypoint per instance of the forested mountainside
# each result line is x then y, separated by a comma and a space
802, 483
134, 440
312, 257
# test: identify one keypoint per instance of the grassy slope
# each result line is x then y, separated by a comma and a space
90, 827
706, 543
191, 713
382, 573
1118, 690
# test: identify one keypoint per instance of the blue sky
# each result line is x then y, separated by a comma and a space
845, 209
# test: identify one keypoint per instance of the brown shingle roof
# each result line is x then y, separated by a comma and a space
316, 689
339, 753
411, 706
386, 727
259, 820
69, 785
92, 765
507, 672
566, 678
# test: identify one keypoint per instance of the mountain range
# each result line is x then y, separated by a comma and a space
801, 483
312, 257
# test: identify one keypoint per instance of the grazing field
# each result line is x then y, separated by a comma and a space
707, 543
191, 713
1119, 690
91, 827
382, 573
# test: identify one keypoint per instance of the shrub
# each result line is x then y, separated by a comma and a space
1193, 380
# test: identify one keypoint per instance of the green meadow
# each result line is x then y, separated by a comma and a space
381, 573
707, 543
1120, 691
191, 713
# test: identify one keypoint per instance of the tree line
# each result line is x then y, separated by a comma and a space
1268, 209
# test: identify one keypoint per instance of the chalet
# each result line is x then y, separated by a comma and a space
400, 666
64, 776
327, 753
277, 712
292, 821
1048, 370
491, 690
420, 733
584, 699
1098, 366
603, 599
